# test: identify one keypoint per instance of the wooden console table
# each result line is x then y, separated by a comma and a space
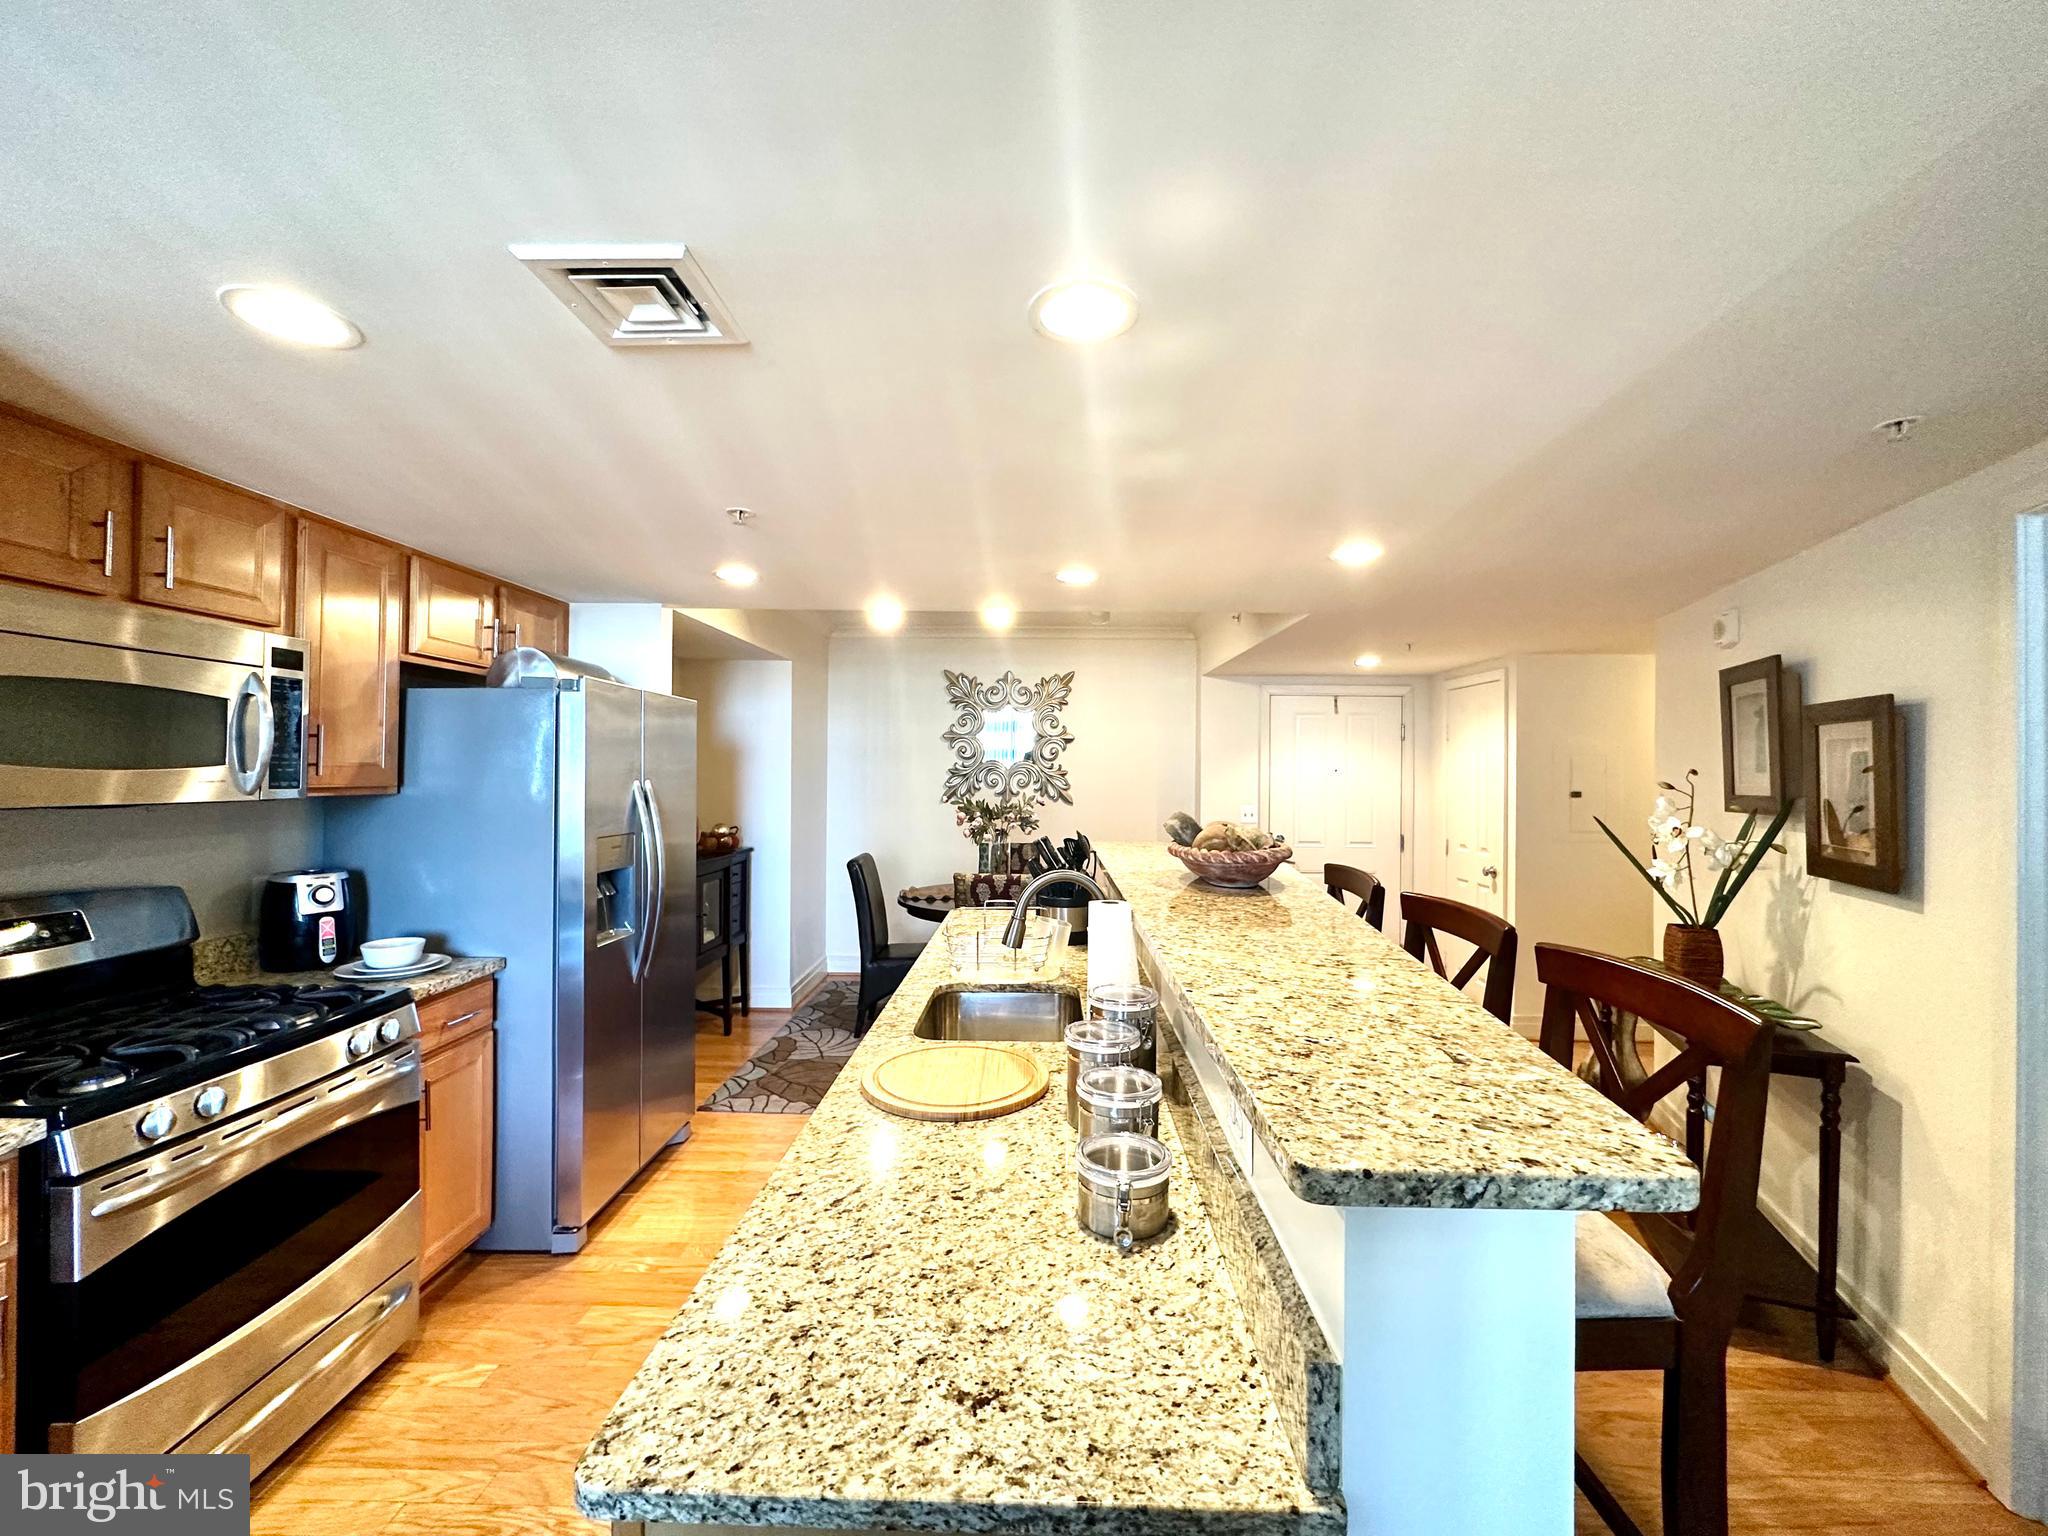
725, 888
1782, 1278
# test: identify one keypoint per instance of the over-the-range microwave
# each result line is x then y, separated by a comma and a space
111, 703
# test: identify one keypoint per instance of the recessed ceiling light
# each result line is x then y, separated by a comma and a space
737, 573
289, 316
1076, 575
1369, 659
1084, 309
884, 614
998, 614
1356, 552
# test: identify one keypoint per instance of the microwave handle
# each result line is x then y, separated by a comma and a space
249, 777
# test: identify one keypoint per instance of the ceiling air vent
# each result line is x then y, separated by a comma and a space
635, 295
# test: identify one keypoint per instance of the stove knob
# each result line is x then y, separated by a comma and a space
359, 1042
157, 1123
210, 1102
390, 1030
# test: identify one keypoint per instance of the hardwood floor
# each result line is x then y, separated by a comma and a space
475, 1430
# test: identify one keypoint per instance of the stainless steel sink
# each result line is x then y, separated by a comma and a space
997, 1015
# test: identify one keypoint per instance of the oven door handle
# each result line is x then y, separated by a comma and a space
184, 1173
92, 1228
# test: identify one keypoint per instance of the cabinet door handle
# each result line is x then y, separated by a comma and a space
316, 742
426, 1106
170, 556
107, 543
462, 1019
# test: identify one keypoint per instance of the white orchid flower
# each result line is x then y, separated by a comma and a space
1724, 855
1661, 809
1669, 827
1708, 840
1696, 833
1662, 872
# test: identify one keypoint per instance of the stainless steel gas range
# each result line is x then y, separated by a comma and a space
220, 1234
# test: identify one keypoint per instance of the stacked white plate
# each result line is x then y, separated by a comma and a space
355, 970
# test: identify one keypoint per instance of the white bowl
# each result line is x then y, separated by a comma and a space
392, 954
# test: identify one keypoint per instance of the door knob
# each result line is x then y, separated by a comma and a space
1490, 872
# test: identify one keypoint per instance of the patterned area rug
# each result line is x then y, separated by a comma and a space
790, 1073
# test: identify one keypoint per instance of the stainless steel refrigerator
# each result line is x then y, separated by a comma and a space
553, 822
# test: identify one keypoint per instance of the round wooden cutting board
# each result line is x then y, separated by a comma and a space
954, 1082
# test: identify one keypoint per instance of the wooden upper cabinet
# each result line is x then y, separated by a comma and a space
65, 517
351, 598
207, 549
448, 613
527, 618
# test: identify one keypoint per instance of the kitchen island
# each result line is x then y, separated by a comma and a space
1361, 1316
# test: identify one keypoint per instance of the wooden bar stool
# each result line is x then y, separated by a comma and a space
1341, 880
1671, 1311
1492, 940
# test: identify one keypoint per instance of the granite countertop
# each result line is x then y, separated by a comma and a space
908, 1331
230, 961
1370, 1079
17, 1132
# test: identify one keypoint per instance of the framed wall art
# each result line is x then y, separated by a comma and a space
1755, 775
1853, 766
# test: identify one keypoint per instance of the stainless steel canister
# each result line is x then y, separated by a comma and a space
1095, 1043
1118, 1099
1123, 1182
1133, 1004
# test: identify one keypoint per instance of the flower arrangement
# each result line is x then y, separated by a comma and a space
987, 821
1679, 846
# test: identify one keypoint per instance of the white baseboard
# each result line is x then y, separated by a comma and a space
843, 965
811, 978
1964, 1424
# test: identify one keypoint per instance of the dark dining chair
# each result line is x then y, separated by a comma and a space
882, 965
1342, 881
1671, 1310
1492, 939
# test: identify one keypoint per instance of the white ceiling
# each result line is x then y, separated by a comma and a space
1580, 309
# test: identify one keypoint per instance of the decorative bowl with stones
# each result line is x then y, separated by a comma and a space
1234, 869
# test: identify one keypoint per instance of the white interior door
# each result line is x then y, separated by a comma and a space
1335, 764
1303, 755
1475, 783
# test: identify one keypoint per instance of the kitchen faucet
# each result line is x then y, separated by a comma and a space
1013, 936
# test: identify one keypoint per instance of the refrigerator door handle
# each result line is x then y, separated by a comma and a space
643, 869
657, 889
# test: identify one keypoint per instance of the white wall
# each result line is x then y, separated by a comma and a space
1917, 603
743, 777
1229, 735
765, 757
218, 853
1132, 762
635, 642
1569, 885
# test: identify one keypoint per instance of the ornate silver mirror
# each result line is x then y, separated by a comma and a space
1006, 738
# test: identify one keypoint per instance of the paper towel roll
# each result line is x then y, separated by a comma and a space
1112, 946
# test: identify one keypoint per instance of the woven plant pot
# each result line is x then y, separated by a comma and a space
1694, 953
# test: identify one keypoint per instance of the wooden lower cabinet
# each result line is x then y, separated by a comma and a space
351, 609
65, 518
528, 618
458, 1121
10, 1276
204, 548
